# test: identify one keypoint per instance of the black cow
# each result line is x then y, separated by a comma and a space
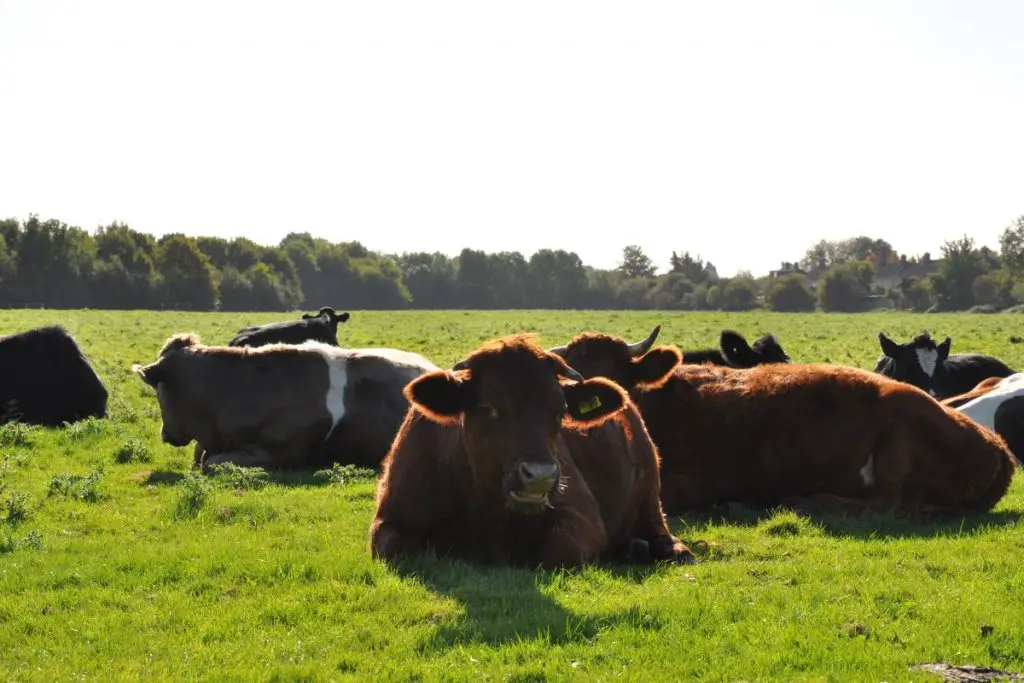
322, 327
929, 367
734, 351
46, 379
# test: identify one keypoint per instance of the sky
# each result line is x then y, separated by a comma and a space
742, 131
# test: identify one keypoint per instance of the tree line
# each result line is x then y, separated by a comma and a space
55, 265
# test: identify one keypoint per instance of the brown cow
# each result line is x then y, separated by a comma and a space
499, 462
282, 405
829, 435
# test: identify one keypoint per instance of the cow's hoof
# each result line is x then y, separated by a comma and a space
639, 551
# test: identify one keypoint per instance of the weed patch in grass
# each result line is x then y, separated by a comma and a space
18, 507
82, 487
343, 474
132, 450
230, 475
9, 543
17, 435
194, 491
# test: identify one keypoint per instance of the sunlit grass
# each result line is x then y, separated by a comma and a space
118, 563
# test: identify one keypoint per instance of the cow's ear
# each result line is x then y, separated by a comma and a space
441, 396
736, 350
655, 367
889, 347
590, 403
343, 317
151, 374
943, 348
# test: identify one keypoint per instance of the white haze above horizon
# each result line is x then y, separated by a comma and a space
741, 131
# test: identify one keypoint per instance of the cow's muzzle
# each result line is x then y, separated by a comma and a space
531, 482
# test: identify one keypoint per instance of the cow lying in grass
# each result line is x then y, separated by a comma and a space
322, 327
734, 351
46, 379
997, 403
929, 367
500, 462
281, 406
817, 436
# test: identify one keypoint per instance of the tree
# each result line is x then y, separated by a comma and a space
696, 270
962, 264
994, 288
918, 293
841, 290
1011, 246
557, 279
739, 294
430, 279
787, 294
635, 263
189, 280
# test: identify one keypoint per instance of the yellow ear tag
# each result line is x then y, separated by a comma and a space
589, 406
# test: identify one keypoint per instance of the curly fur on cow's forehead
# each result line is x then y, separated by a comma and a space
182, 340
923, 341
600, 342
520, 349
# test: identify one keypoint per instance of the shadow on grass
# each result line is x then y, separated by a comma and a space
162, 478
866, 526
507, 605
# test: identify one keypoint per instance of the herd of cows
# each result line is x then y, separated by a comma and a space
562, 456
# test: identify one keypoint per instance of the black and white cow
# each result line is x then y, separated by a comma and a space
1002, 411
929, 367
322, 327
46, 379
734, 351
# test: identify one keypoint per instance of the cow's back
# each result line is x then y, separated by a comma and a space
728, 434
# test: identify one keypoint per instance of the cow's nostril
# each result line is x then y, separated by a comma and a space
524, 473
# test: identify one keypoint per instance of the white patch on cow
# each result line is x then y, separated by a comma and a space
927, 358
337, 369
983, 409
867, 473
932, 392
337, 360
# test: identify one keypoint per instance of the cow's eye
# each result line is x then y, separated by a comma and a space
490, 412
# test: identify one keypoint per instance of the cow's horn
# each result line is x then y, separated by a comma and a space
461, 365
642, 347
569, 373
559, 350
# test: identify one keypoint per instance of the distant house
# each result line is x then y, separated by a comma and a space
887, 276
891, 275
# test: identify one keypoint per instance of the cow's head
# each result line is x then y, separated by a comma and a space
328, 314
738, 353
511, 400
639, 365
920, 361
175, 407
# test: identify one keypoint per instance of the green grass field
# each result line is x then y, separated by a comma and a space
116, 563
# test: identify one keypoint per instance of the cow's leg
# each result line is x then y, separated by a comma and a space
388, 542
652, 527
253, 457
575, 539
197, 455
